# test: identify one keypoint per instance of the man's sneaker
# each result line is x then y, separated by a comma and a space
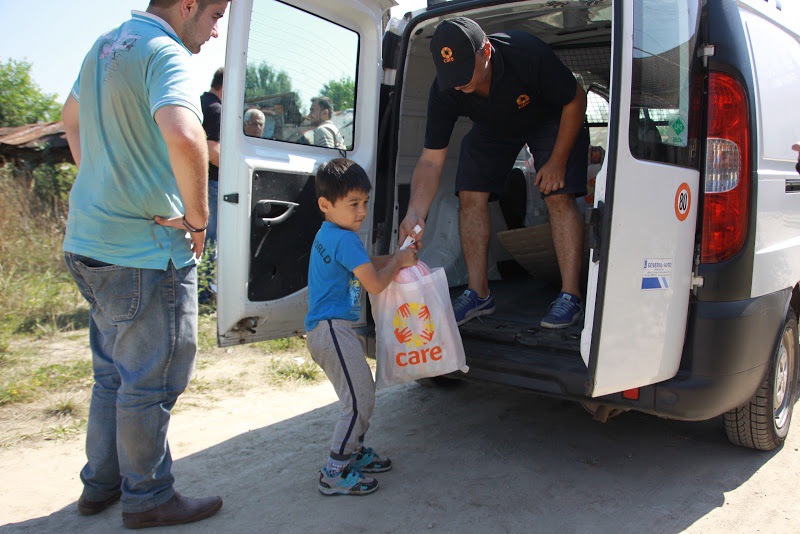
469, 305
348, 482
369, 461
565, 311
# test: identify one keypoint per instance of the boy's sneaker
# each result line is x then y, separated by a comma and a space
469, 305
348, 482
565, 311
369, 461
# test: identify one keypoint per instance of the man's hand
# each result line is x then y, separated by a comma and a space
550, 177
198, 238
407, 229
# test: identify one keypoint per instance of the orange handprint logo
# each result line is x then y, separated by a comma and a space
413, 324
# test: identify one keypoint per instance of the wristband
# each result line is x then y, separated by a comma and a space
191, 228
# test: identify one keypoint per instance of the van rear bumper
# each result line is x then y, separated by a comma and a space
726, 356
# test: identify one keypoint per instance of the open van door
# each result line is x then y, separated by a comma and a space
640, 276
280, 55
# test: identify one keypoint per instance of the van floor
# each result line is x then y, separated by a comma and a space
511, 343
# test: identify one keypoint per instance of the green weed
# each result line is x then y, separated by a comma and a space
297, 369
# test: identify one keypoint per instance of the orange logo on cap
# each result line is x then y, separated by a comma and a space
447, 54
523, 100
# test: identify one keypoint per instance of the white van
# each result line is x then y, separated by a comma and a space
693, 260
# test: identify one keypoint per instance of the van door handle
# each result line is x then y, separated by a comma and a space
264, 207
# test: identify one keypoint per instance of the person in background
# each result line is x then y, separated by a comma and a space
254, 122
338, 269
211, 105
516, 91
136, 228
796, 147
325, 132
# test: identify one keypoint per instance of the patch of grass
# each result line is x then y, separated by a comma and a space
207, 332
65, 430
297, 369
21, 386
286, 344
64, 407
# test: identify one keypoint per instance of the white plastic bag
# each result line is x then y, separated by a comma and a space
416, 331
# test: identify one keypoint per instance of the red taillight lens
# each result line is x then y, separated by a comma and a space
727, 176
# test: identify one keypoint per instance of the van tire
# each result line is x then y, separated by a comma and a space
763, 422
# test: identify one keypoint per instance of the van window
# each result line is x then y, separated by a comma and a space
301, 77
664, 82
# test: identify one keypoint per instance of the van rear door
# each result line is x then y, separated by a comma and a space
280, 55
647, 195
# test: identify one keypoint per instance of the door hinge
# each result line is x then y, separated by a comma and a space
233, 198
704, 52
594, 219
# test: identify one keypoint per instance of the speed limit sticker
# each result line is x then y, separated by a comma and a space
683, 201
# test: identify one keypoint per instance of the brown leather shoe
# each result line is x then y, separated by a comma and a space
176, 511
87, 507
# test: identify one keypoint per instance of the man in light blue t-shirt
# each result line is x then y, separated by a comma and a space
136, 226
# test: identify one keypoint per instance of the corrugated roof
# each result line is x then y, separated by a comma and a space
32, 135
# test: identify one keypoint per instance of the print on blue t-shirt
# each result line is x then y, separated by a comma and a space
334, 292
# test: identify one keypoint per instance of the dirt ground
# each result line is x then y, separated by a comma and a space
475, 458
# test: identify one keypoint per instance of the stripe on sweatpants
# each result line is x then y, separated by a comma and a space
349, 385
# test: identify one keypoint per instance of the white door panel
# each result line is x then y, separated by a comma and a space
648, 267
279, 56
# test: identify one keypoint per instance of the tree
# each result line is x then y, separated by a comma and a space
341, 92
21, 99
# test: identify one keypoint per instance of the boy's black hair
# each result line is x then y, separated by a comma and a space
336, 178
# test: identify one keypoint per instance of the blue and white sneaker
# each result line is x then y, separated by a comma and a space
368, 461
469, 305
565, 311
349, 481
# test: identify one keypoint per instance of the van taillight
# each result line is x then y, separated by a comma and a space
727, 178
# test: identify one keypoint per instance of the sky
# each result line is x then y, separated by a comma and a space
54, 35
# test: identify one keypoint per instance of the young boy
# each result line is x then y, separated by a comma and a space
338, 269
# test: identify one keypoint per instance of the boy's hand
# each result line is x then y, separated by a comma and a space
407, 257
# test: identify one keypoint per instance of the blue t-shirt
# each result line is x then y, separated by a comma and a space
125, 177
334, 292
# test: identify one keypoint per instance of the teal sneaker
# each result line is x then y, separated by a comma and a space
469, 305
563, 312
369, 461
348, 482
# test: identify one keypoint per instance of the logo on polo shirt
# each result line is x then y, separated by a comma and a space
522, 101
447, 54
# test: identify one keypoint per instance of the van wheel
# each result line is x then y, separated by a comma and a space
763, 422
439, 382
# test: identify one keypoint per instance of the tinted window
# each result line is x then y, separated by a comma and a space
665, 81
301, 77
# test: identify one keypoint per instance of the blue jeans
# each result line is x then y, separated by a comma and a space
213, 199
143, 336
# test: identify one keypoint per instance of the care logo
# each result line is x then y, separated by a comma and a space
413, 324
522, 101
447, 54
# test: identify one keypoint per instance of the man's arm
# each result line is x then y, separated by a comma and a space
551, 176
188, 155
424, 186
213, 152
69, 114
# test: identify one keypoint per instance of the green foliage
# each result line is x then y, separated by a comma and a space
297, 369
46, 378
342, 93
38, 293
21, 99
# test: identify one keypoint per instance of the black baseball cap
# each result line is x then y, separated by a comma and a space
453, 47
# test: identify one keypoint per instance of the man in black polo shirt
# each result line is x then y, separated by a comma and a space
516, 91
211, 104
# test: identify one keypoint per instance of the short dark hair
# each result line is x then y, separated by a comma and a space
338, 177
216, 81
324, 103
166, 4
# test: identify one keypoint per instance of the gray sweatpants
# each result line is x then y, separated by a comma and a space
335, 347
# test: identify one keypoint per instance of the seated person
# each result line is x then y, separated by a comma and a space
325, 132
254, 122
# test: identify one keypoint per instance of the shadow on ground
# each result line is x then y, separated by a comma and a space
476, 458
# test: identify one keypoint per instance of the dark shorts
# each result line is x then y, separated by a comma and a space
485, 161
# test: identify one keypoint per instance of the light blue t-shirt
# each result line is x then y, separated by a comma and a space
125, 177
334, 292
